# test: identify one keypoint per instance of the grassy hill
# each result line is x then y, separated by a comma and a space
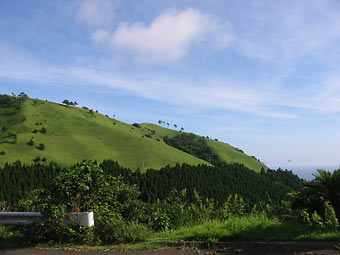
36, 129
225, 152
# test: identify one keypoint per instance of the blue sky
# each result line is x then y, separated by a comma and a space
260, 75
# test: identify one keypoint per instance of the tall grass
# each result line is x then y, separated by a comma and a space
248, 228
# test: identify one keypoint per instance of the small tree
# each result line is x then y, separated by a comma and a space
36, 159
43, 130
30, 142
66, 102
41, 147
85, 187
23, 95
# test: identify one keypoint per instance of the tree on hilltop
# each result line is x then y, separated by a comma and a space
66, 102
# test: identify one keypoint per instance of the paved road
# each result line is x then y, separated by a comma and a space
305, 248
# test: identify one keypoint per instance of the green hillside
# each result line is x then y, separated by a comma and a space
41, 130
73, 134
225, 152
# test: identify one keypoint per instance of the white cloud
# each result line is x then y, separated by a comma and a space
96, 12
169, 36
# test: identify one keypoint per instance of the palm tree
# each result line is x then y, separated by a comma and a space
327, 186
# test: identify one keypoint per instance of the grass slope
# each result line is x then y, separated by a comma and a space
225, 152
73, 134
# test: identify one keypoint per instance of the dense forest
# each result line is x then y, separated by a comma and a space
194, 145
215, 183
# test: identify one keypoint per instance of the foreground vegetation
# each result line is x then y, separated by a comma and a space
208, 233
122, 216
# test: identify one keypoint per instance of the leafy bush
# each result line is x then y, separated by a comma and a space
234, 206
30, 142
2, 152
41, 147
43, 130
330, 216
85, 187
36, 159
136, 125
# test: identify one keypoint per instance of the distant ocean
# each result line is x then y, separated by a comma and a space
306, 172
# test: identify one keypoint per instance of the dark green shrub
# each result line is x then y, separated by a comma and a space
30, 142
136, 125
41, 147
36, 159
160, 221
43, 130
2, 152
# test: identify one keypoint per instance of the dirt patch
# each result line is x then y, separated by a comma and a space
298, 248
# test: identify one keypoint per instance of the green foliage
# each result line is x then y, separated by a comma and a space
36, 159
43, 130
316, 219
136, 125
2, 152
10, 112
160, 220
41, 146
325, 187
248, 228
233, 206
30, 142
194, 145
304, 217
9, 137
85, 187
330, 216
80, 187
211, 242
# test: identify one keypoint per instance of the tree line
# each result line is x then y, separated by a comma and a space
215, 183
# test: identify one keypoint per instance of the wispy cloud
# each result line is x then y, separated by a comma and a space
227, 95
95, 13
282, 31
